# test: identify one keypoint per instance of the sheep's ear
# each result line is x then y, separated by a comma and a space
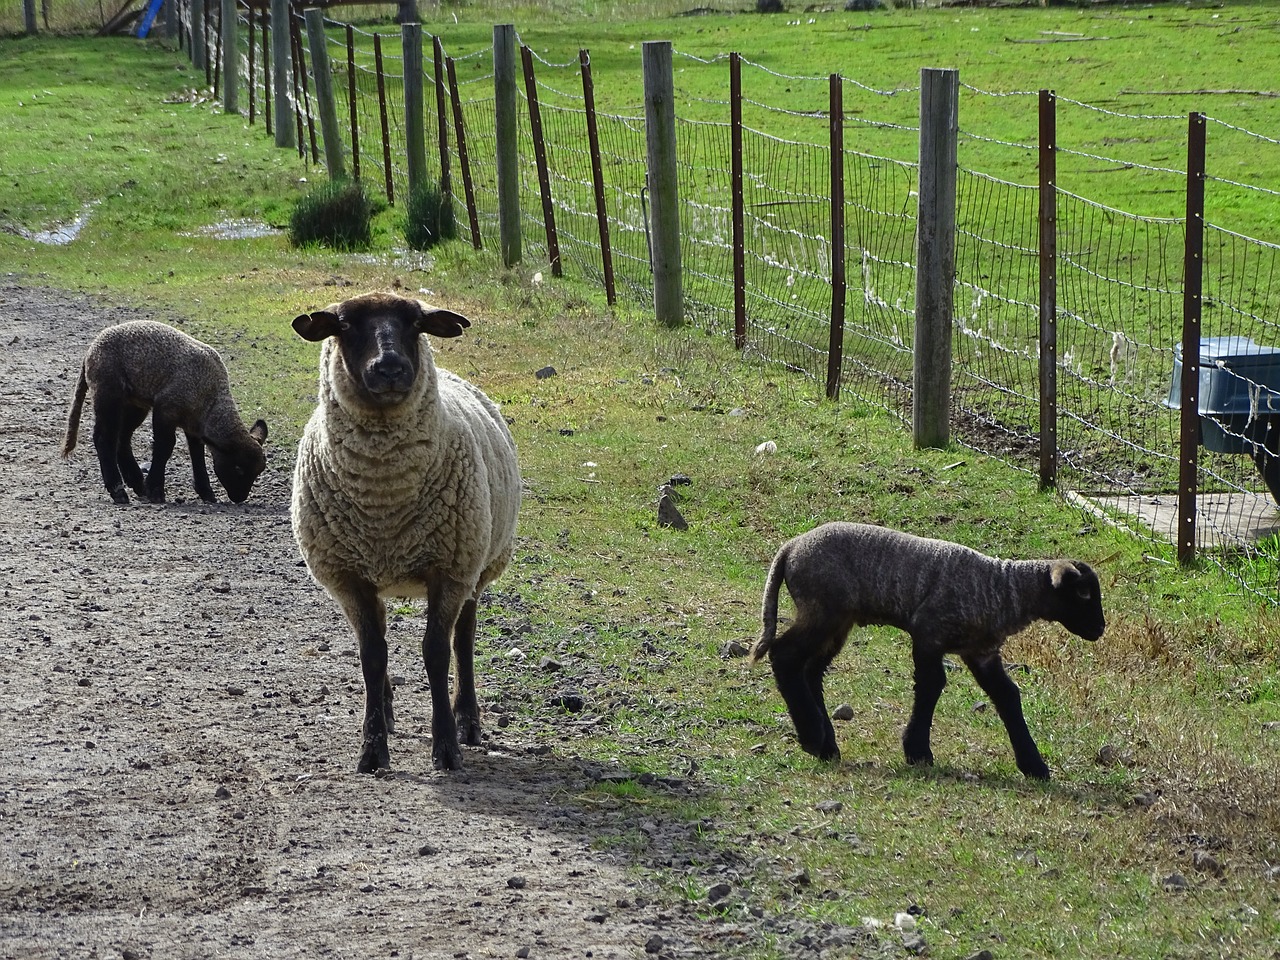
319, 325
441, 323
259, 432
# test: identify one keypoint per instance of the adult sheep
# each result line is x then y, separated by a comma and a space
949, 598
406, 485
144, 366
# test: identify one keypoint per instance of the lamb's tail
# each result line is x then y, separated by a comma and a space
73, 415
769, 606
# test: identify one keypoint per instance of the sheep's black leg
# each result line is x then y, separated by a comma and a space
108, 417
792, 658
162, 444
930, 678
129, 469
466, 708
387, 711
445, 600
989, 671
200, 470
368, 617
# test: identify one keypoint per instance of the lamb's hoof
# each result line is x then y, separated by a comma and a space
374, 755
1035, 771
119, 495
826, 752
924, 759
155, 497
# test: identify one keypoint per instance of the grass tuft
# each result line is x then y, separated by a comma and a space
429, 218
337, 214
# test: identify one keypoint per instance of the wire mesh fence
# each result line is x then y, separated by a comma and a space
789, 233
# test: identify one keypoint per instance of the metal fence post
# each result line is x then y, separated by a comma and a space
415, 134
1048, 291
1192, 289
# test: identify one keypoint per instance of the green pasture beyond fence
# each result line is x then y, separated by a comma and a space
800, 239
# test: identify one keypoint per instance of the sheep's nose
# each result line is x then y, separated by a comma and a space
389, 373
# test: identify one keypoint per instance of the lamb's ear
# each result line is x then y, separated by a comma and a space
441, 323
319, 325
259, 431
1069, 575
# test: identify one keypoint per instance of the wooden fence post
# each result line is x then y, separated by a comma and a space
597, 177
1048, 290
171, 28
281, 71
540, 158
664, 186
464, 161
506, 132
253, 63
325, 100
414, 132
835, 343
230, 57
738, 203
29, 17
935, 256
1192, 290
198, 49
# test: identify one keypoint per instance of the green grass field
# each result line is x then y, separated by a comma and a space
1162, 736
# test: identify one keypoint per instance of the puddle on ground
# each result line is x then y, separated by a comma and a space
60, 234
236, 230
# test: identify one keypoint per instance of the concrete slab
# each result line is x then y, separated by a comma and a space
1224, 521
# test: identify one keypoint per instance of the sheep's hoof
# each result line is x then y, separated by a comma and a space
119, 495
374, 755
920, 759
469, 731
156, 496
447, 756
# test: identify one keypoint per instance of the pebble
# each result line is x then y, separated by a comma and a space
842, 712
654, 944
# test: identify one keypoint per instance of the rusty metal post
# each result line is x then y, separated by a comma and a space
540, 157
1192, 290
737, 203
1048, 290
835, 346
597, 177
464, 161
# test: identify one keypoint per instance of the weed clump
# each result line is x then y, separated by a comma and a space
429, 217
337, 214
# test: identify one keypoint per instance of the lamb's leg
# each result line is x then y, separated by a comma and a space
129, 469
466, 708
368, 617
445, 600
791, 658
387, 711
930, 678
108, 417
200, 470
989, 671
162, 444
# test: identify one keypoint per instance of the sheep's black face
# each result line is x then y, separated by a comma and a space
1077, 597
378, 336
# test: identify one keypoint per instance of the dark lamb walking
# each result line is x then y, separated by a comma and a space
145, 366
949, 598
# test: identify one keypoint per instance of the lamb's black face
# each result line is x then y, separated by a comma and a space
379, 338
237, 469
1078, 599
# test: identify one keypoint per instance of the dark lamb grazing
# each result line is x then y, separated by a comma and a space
145, 366
949, 598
